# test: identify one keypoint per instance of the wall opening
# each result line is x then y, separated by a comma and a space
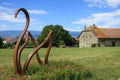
113, 43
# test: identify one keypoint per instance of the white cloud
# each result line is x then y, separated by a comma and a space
6, 10
7, 14
78, 29
3, 27
103, 3
113, 3
10, 18
110, 19
7, 4
37, 12
96, 3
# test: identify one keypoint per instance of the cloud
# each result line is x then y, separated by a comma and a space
103, 3
37, 11
113, 3
7, 14
10, 18
96, 3
7, 4
110, 19
73, 29
6, 10
7, 17
3, 27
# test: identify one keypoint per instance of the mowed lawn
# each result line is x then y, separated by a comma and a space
103, 62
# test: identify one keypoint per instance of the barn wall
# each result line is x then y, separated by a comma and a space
86, 39
109, 42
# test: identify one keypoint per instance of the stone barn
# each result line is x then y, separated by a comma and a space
94, 36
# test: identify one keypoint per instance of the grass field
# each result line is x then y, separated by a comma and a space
103, 63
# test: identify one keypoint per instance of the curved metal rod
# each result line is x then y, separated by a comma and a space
48, 51
16, 60
19, 52
25, 67
37, 56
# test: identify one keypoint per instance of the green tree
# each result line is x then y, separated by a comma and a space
60, 35
22, 41
30, 44
7, 45
1, 42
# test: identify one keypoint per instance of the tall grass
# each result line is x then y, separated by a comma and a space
67, 63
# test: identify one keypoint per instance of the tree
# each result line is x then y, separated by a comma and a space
7, 45
22, 41
30, 44
1, 42
60, 35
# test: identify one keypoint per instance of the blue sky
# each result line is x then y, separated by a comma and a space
73, 15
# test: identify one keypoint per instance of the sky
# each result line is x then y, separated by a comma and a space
73, 15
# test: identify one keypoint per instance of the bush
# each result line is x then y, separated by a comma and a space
93, 45
6, 45
1, 42
59, 71
53, 71
30, 44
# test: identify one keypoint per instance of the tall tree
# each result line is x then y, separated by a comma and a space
1, 42
60, 35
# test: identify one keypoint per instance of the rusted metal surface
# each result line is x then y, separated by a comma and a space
19, 70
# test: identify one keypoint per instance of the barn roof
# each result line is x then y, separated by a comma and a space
104, 32
10, 40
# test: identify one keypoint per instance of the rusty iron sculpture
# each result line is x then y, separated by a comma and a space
19, 70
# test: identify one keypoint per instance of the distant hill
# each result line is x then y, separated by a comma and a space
15, 33
74, 33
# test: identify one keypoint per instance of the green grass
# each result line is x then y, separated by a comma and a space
91, 63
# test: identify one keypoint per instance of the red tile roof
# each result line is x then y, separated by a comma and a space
105, 32
10, 40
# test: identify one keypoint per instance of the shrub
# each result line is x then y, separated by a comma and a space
93, 45
59, 71
7, 45
53, 71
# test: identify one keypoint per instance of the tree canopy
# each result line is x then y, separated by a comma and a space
1, 42
60, 35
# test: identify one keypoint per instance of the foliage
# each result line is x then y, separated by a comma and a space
60, 36
22, 41
59, 71
30, 44
53, 71
93, 45
1, 42
7, 45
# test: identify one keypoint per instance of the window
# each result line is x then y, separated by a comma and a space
90, 36
83, 36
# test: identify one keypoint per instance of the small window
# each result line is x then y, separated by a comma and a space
90, 36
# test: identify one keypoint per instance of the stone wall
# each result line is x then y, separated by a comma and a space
87, 38
109, 42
